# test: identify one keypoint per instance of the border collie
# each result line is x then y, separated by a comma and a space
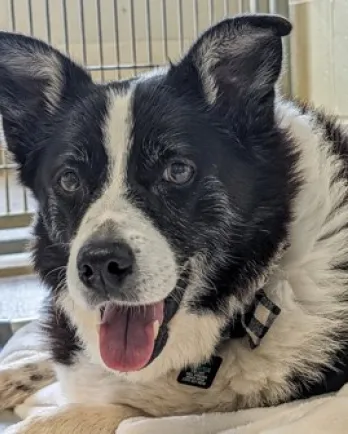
191, 228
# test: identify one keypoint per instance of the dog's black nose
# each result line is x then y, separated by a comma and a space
104, 265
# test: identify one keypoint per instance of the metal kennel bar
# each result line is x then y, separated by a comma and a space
113, 39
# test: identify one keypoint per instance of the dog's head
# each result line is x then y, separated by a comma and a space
162, 200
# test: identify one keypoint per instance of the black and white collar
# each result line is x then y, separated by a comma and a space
255, 322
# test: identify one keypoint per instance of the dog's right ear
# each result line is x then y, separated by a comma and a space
35, 81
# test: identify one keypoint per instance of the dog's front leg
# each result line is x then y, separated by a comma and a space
75, 419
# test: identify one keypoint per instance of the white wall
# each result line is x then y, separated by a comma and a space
320, 53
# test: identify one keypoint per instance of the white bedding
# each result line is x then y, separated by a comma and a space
323, 415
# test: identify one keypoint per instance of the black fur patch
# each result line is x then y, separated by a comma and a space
62, 338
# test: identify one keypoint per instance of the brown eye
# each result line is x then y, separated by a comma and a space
179, 172
69, 181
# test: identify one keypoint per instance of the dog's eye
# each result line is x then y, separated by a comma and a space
179, 172
69, 181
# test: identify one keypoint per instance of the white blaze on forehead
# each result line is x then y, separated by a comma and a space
117, 140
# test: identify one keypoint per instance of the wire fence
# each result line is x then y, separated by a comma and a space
113, 39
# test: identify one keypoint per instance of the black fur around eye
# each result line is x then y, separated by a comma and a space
179, 172
69, 181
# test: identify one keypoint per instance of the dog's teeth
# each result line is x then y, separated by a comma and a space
156, 328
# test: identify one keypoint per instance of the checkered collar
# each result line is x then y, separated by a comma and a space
255, 322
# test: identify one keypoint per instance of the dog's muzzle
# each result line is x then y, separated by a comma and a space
131, 334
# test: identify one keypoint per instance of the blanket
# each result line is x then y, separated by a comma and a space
28, 386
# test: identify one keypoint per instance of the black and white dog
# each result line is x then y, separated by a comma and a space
191, 228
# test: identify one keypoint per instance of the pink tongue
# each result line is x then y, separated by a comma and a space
126, 336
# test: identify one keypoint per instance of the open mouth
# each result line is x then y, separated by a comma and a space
127, 335
131, 337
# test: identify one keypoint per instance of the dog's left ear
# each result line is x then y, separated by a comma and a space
239, 58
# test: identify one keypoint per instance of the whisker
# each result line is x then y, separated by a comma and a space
59, 269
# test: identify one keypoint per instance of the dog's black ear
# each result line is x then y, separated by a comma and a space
35, 80
239, 58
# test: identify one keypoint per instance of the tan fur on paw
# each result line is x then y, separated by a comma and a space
75, 419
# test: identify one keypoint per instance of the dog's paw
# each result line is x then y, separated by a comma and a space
22, 379
74, 419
